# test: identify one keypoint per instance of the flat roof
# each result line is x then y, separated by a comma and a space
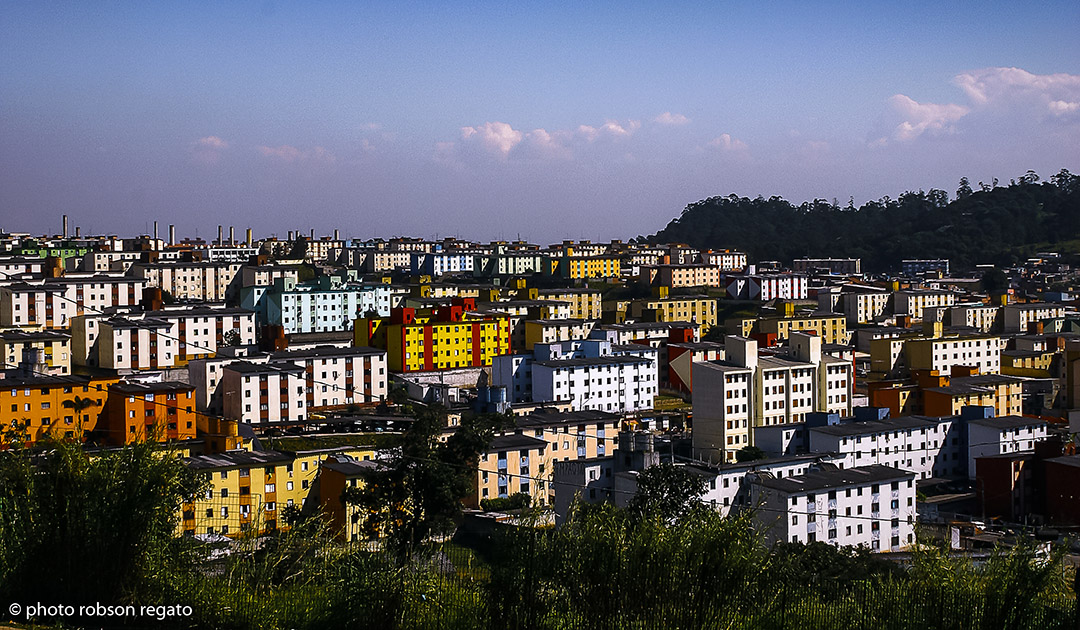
831, 477
1008, 422
147, 388
516, 442
546, 417
592, 361
903, 423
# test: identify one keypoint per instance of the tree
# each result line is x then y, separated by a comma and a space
964, 191
667, 491
299, 248
749, 454
231, 338
994, 281
418, 493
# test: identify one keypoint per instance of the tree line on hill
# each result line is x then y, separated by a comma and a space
989, 224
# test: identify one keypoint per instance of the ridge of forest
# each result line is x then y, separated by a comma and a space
990, 224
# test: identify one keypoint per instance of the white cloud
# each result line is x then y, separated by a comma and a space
725, 142
496, 136
1003, 94
990, 85
667, 118
287, 153
208, 150
212, 142
503, 141
919, 118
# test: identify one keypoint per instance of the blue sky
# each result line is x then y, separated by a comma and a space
483, 120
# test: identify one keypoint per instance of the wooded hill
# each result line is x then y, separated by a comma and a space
991, 224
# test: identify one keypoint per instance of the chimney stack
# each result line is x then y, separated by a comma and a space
249, 237
78, 232
232, 237
220, 235
65, 226
313, 234
172, 234
290, 235
336, 235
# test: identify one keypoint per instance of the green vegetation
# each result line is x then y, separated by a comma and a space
75, 529
995, 224
515, 501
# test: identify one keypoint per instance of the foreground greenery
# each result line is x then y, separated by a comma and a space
991, 224
75, 529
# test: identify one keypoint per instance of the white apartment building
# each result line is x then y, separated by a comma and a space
943, 353
927, 447
913, 301
201, 281
324, 307
766, 287
1018, 317
54, 302
864, 505
264, 393
725, 260
590, 374
440, 263
727, 489
997, 436
157, 339
12, 266
339, 376
745, 391
333, 376
864, 306
974, 315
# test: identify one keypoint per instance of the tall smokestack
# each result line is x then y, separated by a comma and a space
78, 232
220, 235
335, 234
232, 237
172, 234
155, 230
249, 237
313, 234
65, 226
290, 235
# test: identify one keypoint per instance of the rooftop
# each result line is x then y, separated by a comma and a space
828, 477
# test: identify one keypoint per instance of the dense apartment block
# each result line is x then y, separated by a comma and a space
330, 303
149, 411
248, 490
746, 391
524, 461
151, 340
1001, 435
926, 446
50, 350
198, 281
436, 339
441, 263
584, 303
590, 374
264, 393
872, 506
766, 287
61, 407
912, 302
54, 302
700, 309
1018, 318
680, 276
